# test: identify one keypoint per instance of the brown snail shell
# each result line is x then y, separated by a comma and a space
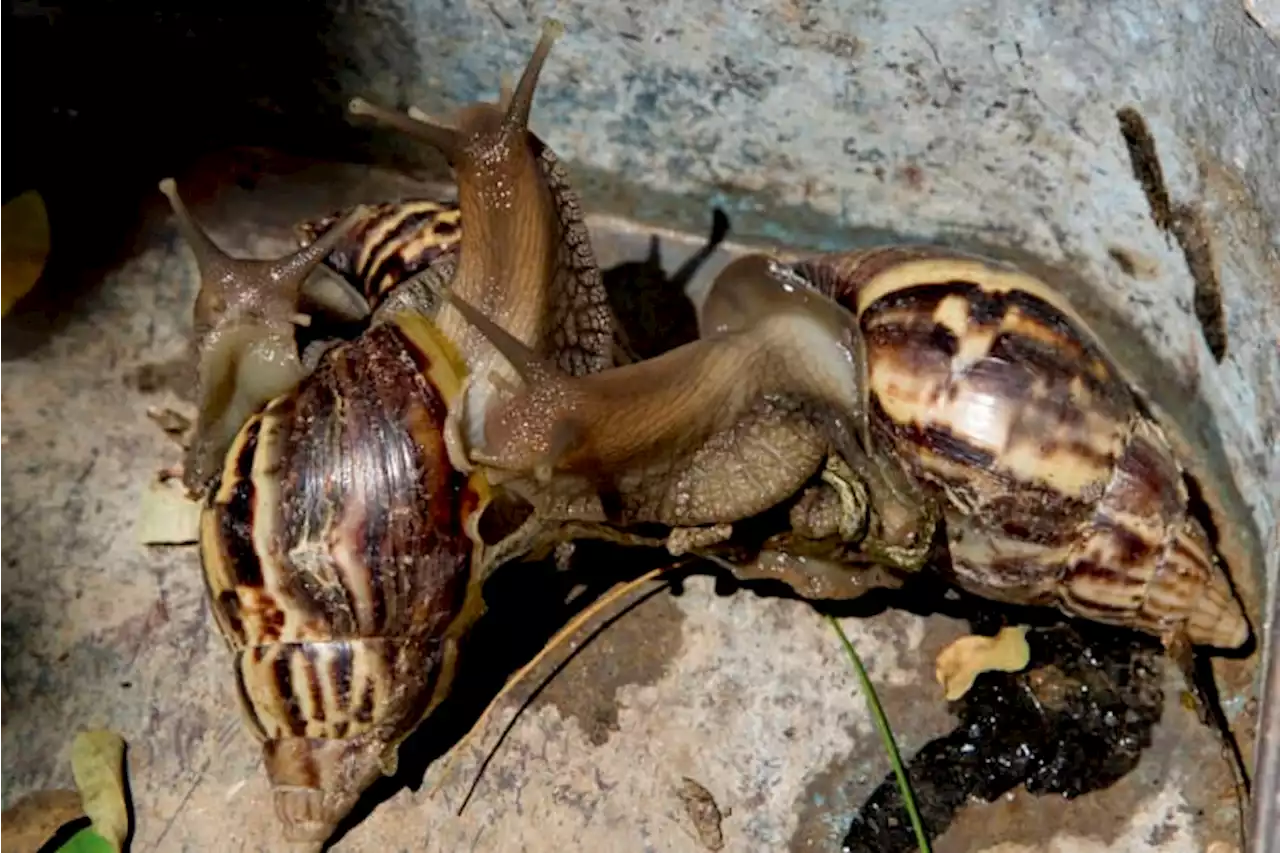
1059, 485
339, 566
389, 243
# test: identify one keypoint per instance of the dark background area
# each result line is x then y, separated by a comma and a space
103, 99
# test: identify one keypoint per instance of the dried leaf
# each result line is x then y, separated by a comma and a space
97, 762
176, 424
85, 841
167, 516
960, 663
29, 823
24, 247
703, 812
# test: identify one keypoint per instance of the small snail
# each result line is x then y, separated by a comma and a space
338, 539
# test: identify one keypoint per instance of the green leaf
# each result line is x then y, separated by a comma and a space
87, 841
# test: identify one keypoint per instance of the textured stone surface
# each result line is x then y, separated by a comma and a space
816, 125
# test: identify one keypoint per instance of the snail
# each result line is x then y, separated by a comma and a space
705, 435
244, 334
1059, 482
338, 539
987, 395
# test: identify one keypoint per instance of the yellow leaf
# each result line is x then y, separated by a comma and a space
24, 247
97, 762
167, 516
960, 663
29, 823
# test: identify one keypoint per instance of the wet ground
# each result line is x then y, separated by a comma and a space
707, 716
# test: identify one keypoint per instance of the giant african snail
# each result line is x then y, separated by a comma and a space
702, 436
338, 540
977, 381
1058, 482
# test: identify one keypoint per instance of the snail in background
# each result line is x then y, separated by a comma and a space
388, 244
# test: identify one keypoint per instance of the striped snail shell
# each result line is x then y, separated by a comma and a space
339, 565
339, 539
388, 243
1058, 484
337, 545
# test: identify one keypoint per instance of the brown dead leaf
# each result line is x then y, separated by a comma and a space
29, 823
176, 424
703, 812
97, 762
24, 247
960, 663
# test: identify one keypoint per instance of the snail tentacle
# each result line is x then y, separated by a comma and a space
244, 333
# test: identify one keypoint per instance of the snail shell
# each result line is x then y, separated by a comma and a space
389, 243
339, 566
1058, 483
339, 540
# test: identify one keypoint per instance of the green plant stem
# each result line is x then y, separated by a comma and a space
886, 735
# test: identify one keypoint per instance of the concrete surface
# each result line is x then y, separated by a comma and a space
815, 125
748, 696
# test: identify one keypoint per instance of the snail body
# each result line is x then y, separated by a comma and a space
524, 257
1057, 482
708, 433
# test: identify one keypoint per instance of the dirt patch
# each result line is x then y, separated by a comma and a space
635, 650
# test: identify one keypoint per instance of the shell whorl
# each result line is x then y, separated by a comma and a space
389, 244
1057, 483
338, 564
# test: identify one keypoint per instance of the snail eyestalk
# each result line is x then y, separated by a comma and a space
244, 321
451, 141
445, 139
521, 101
521, 357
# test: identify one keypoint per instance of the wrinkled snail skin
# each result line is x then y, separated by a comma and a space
525, 258
710, 432
1057, 483
336, 552
243, 334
